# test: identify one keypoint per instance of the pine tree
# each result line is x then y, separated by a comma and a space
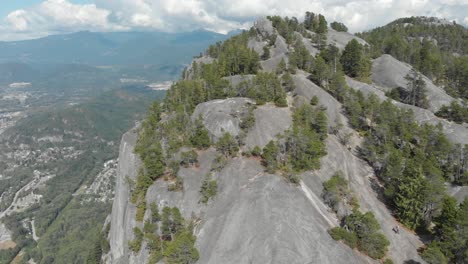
182, 250
200, 138
411, 195
266, 53
322, 25
281, 67
177, 223
153, 160
288, 82
416, 90
446, 221
269, 155
340, 27
189, 158
155, 217
320, 72
227, 145
354, 62
166, 223
321, 124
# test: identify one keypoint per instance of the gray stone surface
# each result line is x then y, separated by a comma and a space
256, 44
389, 73
123, 212
260, 218
308, 44
455, 132
280, 47
270, 121
307, 89
277, 52
264, 27
236, 79
220, 116
458, 192
340, 39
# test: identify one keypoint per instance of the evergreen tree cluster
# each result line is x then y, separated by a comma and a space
168, 236
149, 149
338, 26
267, 88
450, 234
454, 112
301, 58
336, 191
315, 23
302, 147
355, 62
286, 27
357, 230
363, 232
209, 189
234, 57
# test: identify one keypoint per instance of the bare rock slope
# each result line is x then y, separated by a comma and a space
123, 211
389, 73
340, 39
259, 217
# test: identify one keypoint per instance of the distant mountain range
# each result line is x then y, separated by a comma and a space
124, 54
108, 48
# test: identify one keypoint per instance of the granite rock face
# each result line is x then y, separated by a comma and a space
123, 211
270, 121
278, 52
255, 218
340, 39
389, 73
221, 116
258, 217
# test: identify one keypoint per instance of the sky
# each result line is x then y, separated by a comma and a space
27, 19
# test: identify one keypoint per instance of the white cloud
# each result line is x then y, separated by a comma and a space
17, 20
55, 16
216, 15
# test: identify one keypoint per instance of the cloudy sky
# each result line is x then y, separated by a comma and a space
25, 19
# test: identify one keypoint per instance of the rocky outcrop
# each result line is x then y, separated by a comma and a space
123, 211
221, 116
307, 44
278, 52
264, 27
389, 73
267, 128
257, 217
307, 89
340, 39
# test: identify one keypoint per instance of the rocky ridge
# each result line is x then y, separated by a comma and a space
258, 217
